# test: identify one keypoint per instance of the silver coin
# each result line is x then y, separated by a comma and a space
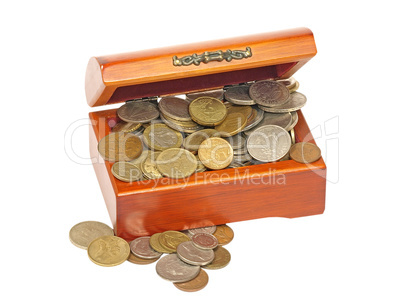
296, 102
295, 119
205, 241
190, 254
269, 143
138, 111
175, 107
241, 158
180, 128
239, 95
236, 141
209, 229
140, 247
171, 268
217, 93
269, 93
288, 82
255, 121
283, 120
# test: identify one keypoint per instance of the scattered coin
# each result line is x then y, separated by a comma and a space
137, 260
160, 137
296, 102
120, 147
190, 254
171, 268
221, 259
176, 163
83, 233
194, 285
140, 247
175, 107
268, 143
138, 111
208, 111
156, 245
269, 93
208, 229
215, 153
239, 95
217, 93
224, 234
305, 152
108, 251
204, 241
170, 240
126, 172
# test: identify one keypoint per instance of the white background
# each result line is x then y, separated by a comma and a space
351, 252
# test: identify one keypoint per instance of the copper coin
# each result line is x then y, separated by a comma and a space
204, 241
305, 152
224, 234
198, 283
120, 146
269, 93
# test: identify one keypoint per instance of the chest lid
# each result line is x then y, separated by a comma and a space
199, 66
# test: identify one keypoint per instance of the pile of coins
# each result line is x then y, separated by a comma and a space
188, 253
240, 125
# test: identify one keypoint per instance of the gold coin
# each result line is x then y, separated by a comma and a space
137, 260
120, 147
192, 142
126, 127
233, 124
156, 245
108, 251
292, 136
208, 111
126, 172
215, 153
148, 166
160, 137
176, 163
194, 285
171, 239
245, 110
222, 259
224, 234
83, 233
305, 152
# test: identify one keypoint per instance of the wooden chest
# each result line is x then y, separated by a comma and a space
280, 189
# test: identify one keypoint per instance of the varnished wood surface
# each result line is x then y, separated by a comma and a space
121, 77
143, 208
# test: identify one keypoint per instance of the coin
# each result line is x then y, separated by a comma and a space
255, 118
240, 151
232, 124
126, 172
236, 141
284, 120
156, 245
83, 233
137, 260
295, 119
175, 107
268, 143
120, 147
296, 102
245, 110
171, 239
160, 137
221, 259
224, 234
208, 229
171, 268
241, 158
126, 127
180, 127
305, 152
190, 254
294, 88
108, 251
204, 241
208, 111
140, 247
192, 142
215, 153
194, 285
217, 93
148, 166
176, 163
200, 167
269, 93
288, 82
137, 161
239, 95
292, 136
138, 111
